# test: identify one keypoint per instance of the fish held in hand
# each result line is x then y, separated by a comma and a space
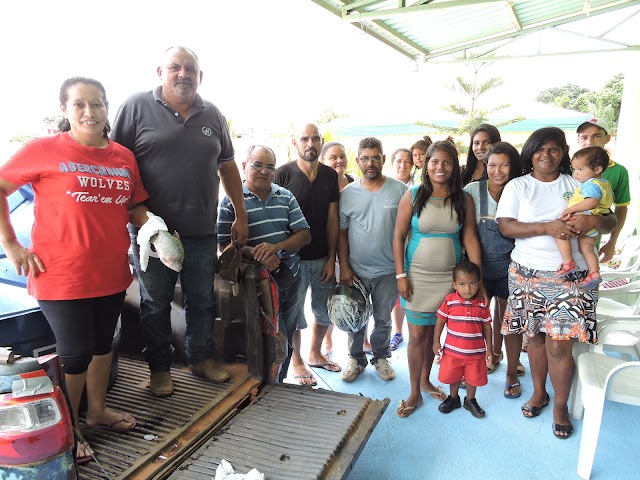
169, 249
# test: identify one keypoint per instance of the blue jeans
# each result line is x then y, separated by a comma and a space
384, 293
309, 274
157, 286
496, 257
288, 321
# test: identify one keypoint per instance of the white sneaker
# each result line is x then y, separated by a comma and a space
384, 369
352, 371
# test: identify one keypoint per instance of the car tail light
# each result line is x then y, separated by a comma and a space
34, 428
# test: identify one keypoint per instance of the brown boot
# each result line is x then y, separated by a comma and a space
210, 370
161, 384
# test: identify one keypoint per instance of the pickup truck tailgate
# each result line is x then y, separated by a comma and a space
292, 433
285, 431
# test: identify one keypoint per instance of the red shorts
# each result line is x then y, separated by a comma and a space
454, 369
398, 302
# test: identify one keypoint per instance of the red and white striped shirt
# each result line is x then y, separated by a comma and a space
464, 319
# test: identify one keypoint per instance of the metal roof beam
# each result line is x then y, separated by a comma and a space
359, 4
411, 55
532, 55
396, 34
612, 6
391, 12
593, 37
620, 23
514, 16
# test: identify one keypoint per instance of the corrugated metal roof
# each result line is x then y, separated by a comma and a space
426, 29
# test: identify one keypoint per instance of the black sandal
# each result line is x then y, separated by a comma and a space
533, 410
558, 429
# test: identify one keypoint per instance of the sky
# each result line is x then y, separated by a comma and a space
266, 63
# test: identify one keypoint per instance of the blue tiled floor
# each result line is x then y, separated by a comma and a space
431, 445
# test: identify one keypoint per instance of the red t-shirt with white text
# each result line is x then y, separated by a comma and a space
82, 198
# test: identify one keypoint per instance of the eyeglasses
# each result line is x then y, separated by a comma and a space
375, 158
261, 166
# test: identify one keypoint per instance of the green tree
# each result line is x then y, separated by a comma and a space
52, 122
470, 114
328, 115
604, 103
22, 137
282, 138
569, 91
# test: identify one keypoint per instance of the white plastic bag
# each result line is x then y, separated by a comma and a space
225, 472
148, 230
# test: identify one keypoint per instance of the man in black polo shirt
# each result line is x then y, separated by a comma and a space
181, 143
316, 189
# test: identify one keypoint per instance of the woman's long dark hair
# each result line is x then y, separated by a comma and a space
472, 161
63, 124
537, 140
456, 195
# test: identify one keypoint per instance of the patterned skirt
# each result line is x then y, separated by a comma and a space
542, 302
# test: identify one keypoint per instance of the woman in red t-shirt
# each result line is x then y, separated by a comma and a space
87, 188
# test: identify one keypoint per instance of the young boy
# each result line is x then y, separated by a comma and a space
467, 346
594, 196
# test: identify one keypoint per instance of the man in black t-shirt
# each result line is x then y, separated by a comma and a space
316, 189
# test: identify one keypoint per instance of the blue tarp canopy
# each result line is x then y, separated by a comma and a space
527, 125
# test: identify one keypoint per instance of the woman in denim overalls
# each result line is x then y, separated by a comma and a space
503, 164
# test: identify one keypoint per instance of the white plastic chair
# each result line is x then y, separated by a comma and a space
619, 301
624, 340
629, 259
609, 308
601, 378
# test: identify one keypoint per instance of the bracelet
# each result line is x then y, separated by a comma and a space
401, 275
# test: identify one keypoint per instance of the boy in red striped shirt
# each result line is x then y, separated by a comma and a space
467, 346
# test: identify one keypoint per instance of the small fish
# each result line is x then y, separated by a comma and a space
169, 249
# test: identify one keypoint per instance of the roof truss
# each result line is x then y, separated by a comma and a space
424, 30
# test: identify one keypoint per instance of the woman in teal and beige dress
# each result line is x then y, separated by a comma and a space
439, 218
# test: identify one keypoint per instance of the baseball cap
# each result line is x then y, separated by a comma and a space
598, 122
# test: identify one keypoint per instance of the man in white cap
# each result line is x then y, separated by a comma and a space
595, 131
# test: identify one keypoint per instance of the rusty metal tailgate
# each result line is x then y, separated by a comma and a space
292, 433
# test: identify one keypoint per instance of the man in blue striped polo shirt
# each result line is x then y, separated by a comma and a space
277, 230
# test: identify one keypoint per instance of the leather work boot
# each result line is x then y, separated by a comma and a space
210, 370
161, 384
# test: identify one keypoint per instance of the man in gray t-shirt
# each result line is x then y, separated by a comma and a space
368, 210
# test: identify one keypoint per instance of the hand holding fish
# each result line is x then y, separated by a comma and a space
168, 248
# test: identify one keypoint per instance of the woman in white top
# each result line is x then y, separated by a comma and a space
554, 310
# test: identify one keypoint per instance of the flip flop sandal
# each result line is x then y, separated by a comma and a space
510, 386
128, 420
309, 376
404, 411
329, 366
520, 369
437, 394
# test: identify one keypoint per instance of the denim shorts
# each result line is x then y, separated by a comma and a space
495, 277
309, 273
